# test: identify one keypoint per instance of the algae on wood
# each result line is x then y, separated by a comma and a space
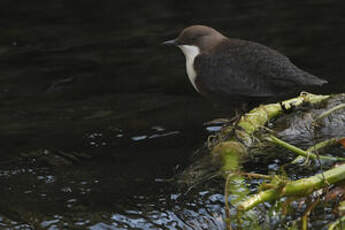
234, 145
297, 188
253, 121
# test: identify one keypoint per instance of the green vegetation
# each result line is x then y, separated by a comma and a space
235, 144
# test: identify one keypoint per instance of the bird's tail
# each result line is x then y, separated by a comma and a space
311, 80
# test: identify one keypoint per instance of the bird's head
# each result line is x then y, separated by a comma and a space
196, 37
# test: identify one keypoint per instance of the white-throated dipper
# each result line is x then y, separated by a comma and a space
231, 70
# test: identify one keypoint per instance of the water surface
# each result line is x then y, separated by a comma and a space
90, 77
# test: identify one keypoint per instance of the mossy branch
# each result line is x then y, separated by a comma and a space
319, 146
301, 152
251, 122
300, 187
338, 224
235, 148
332, 110
259, 116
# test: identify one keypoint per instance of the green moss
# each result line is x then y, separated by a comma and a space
230, 153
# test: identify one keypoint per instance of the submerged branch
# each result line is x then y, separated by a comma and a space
227, 206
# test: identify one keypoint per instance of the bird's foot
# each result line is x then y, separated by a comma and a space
233, 123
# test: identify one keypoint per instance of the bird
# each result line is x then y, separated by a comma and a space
234, 71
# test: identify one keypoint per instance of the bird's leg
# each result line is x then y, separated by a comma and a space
232, 122
239, 112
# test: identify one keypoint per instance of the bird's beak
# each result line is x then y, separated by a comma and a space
170, 43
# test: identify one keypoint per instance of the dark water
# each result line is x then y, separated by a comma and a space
90, 77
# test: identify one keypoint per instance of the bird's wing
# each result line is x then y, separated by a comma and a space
246, 68
225, 79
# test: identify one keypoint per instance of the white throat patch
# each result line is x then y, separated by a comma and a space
190, 52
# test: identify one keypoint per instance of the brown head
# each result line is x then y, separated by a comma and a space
203, 37
195, 40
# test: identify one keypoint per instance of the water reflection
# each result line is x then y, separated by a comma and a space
159, 132
90, 198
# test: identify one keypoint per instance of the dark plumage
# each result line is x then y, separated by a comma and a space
229, 70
